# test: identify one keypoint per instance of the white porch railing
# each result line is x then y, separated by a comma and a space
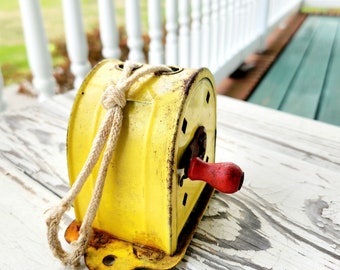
218, 34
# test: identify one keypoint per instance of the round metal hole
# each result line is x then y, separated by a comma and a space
185, 197
207, 97
121, 66
184, 125
174, 70
109, 260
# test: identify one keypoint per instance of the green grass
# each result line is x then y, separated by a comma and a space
13, 58
14, 64
314, 10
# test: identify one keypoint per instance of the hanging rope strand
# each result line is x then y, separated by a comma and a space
114, 101
85, 229
57, 212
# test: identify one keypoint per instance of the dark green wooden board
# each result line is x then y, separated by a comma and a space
305, 79
329, 106
306, 87
274, 85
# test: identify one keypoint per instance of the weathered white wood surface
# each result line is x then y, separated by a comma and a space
22, 205
287, 216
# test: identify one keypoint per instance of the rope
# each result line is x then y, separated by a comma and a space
114, 101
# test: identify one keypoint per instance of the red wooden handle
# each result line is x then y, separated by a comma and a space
226, 177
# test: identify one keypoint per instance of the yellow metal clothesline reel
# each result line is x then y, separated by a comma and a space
149, 208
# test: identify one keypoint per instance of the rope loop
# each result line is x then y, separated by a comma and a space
113, 100
113, 96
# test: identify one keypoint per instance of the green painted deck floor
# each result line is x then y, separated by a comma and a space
305, 79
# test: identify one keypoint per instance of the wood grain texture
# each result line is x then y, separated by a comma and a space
287, 215
306, 87
34, 141
329, 105
23, 203
274, 85
304, 79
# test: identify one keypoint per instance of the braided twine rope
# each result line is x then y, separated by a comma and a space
114, 101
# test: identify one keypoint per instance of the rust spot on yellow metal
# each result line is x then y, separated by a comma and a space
72, 232
189, 81
100, 239
148, 254
107, 252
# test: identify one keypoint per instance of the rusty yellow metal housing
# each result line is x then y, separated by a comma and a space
146, 200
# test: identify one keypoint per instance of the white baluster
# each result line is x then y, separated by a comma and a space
108, 29
205, 38
254, 18
2, 102
272, 9
249, 13
237, 23
252, 15
171, 45
184, 33
263, 10
246, 21
230, 28
134, 30
156, 51
39, 57
223, 32
242, 22
76, 41
214, 35
196, 53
